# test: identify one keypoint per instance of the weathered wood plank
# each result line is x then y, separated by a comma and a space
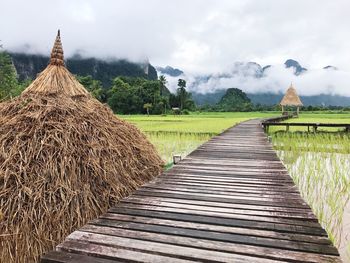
219, 214
222, 221
294, 211
187, 253
264, 252
226, 199
65, 257
218, 236
218, 228
210, 208
115, 253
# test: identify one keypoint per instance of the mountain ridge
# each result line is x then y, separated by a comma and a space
29, 65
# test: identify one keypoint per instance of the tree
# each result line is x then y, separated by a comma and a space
123, 98
164, 103
9, 86
93, 86
181, 92
234, 100
147, 106
163, 83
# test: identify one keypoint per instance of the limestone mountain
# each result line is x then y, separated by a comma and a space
298, 69
174, 72
234, 100
29, 65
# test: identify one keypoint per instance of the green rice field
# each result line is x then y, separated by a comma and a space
319, 163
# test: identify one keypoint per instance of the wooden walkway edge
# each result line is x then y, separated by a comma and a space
231, 200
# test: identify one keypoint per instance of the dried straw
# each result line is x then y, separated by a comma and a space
64, 159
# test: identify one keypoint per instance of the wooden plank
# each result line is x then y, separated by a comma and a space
243, 207
219, 236
114, 253
223, 178
65, 257
220, 214
281, 176
299, 124
234, 188
233, 185
170, 251
224, 192
264, 252
228, 199
222, 221
217, 228
210, 208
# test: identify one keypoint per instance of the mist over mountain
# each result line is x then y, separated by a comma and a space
174, 72
266, 84
29, 65
291, 63
263, 84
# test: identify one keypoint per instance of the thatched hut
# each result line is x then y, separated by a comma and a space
291, 98
65, 158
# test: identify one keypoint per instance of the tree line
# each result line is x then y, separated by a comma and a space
130, 95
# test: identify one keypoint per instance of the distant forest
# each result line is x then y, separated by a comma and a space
128, 88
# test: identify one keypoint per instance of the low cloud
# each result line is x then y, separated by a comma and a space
197, 36
274, 79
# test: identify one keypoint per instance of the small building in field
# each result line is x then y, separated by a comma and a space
176, 110
292, 99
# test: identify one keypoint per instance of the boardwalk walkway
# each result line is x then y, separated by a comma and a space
231, 200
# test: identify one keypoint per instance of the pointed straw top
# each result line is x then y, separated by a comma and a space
56, 79
291, 98
57, 52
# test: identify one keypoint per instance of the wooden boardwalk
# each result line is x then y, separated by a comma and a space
231, 200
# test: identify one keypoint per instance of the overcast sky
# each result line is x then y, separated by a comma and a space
197, 36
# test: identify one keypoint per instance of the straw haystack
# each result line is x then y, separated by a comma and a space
64, 159
291, 98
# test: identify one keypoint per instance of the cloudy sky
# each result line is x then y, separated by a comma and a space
197, 36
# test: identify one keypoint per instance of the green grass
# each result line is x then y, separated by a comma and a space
212, 123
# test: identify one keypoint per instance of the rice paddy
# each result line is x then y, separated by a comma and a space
319, 164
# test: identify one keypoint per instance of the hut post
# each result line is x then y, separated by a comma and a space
282, 109
297, 110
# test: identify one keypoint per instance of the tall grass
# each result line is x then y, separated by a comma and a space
170, 144
319, 165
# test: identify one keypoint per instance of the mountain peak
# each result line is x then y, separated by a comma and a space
330, 67
291, 63
174, 72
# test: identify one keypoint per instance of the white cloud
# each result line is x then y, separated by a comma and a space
197, 36
275, 79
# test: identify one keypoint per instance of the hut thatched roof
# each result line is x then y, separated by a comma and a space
291, 98
65, 158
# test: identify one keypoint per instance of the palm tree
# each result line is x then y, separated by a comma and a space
147, 106
163, 83
182, 92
